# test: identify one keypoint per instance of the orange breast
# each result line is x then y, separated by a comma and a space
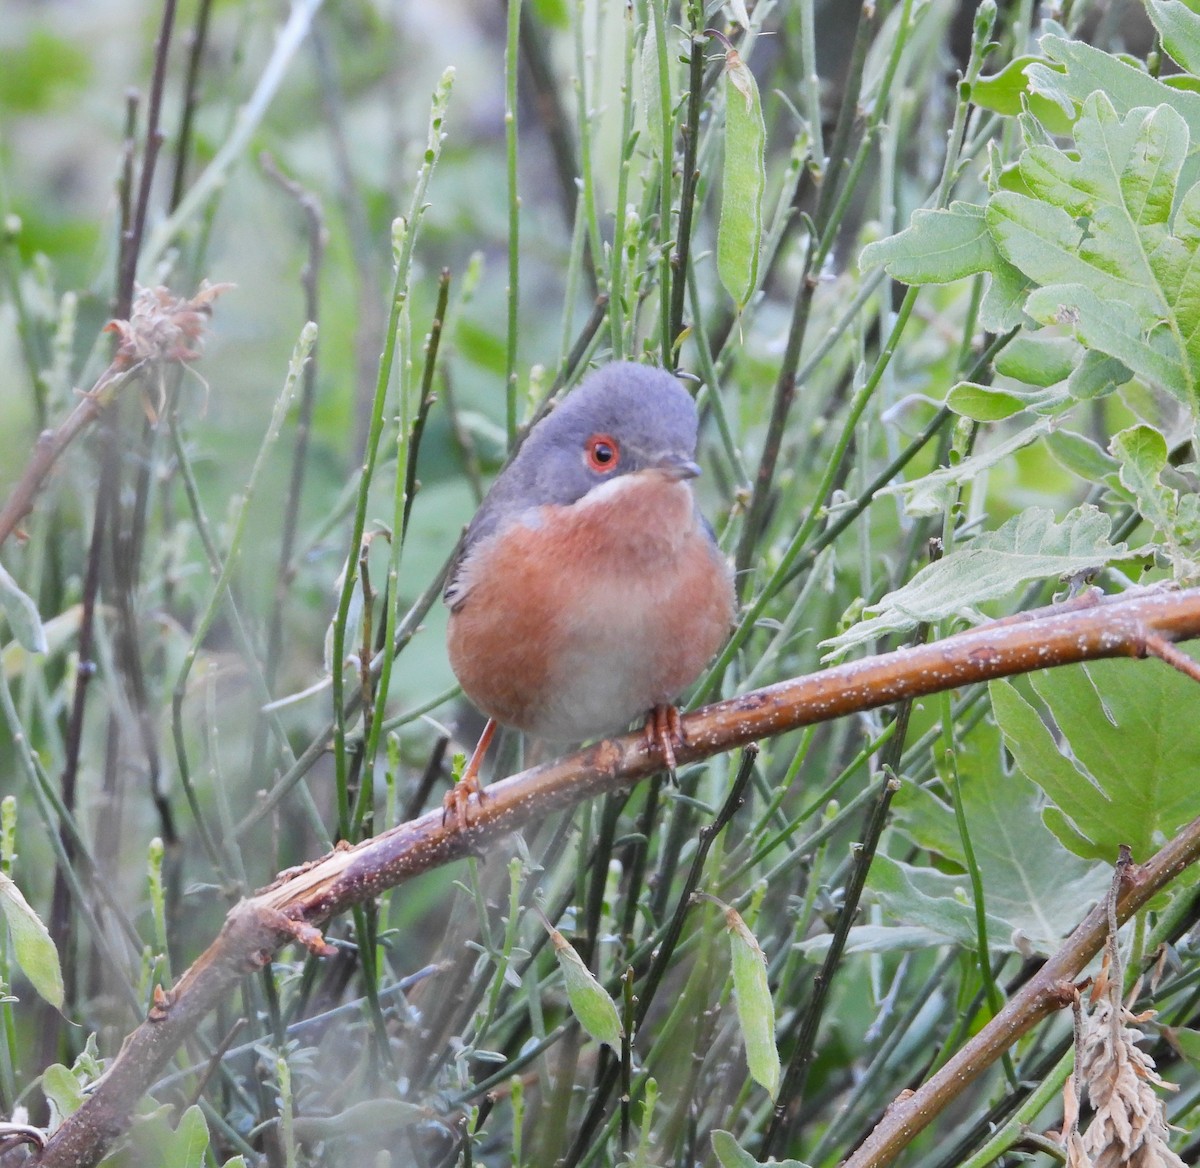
579, 622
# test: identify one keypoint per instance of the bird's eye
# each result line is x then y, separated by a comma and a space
602, 452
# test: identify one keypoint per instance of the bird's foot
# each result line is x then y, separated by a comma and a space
664, 729
458, 798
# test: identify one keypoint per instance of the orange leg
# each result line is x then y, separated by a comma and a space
664, 729
454, 805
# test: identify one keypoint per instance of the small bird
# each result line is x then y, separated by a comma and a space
589, 590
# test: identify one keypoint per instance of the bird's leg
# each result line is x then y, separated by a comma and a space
454, 805
664, 729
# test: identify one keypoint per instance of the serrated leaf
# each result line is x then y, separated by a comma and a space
752, 998
1141, 452
1122, 770
1076, 70
940, 246
22, 615
1036, 890
731, 1154
739, 230
33, 949
1029, 546
593, 1008
1098, 230
936, 247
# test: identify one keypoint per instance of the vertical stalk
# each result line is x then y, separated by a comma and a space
511, 55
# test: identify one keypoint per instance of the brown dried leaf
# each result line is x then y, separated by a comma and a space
1129, 1129
164, 327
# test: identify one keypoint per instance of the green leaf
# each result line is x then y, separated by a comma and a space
1098, 231
22, 615
155, 1141
593, 1008
931, 900
936, 247
1003, 92
367, 1115
63, 1092
1179, 26
1187, 1042
1141, 452
739, 232
33, 949
730, 1154
1097, 375
1081, 456
992, 403
1074, 71
1029, 884
752, 997
1029, 546
554, 13
1040, 361
941, 246
1122, 770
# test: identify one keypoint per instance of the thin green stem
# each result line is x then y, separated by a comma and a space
511, 62
404, 236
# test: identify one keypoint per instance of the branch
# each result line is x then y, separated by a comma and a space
1090, 627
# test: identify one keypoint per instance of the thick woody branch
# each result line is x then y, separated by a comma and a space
1088, 628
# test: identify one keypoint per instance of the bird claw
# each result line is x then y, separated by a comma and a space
458, 798
664, 729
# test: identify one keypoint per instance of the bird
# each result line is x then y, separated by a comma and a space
588, 590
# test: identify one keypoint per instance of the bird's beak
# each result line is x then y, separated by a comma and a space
675, 466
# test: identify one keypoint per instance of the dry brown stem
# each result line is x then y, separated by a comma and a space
162, 329
299, 900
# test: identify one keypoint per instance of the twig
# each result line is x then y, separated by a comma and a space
197, 42
690, 133
161, 330
51, 443
289, 910
131, 241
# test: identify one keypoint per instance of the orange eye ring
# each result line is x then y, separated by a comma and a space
602, 452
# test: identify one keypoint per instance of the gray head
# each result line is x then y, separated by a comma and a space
623, 418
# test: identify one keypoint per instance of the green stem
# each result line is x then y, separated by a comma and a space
404, 235
511, 55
